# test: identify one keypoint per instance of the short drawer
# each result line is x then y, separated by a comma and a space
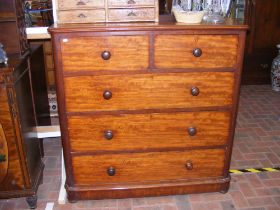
154, 166
148, 91
130, 3
196, 51
133, 14
80, 4
81, 16
148, 131
105, 53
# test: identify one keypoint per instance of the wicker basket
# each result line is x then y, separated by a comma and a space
188, 16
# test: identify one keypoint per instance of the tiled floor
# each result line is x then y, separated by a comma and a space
257, 144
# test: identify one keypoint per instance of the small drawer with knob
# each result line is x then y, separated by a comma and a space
109, 53
196, 51
148, 131
80, 4
81, 16
152, 166
148, 91
132, 14
131, 3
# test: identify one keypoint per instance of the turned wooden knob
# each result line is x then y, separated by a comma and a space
111, 171
195, 91
189, 165
192, 131
107, 94
106, 55
108, 134
197, 52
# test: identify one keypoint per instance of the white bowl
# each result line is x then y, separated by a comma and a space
188, 16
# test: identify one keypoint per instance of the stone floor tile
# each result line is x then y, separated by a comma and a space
261, 201
238, 199
182, 202
228, 205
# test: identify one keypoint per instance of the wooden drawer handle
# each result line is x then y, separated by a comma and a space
107, 94
197, 52
106, 55
82, 15
189, 165
192, 131
131, 2
80, 3
2, 158
108, 134
131, 14
195, 91
111, 171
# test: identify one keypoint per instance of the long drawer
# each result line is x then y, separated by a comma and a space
105, 53
148, 131
196, 51
148, 91
152, 166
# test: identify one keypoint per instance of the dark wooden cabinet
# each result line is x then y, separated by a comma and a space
13, 37
21, 166
23, 106
12, 24
263, 18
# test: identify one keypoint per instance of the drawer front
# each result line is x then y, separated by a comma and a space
133, 14
81, 16
148, 131
195, 51
79, 4
152, 166
129, 3
89, 53
148, 91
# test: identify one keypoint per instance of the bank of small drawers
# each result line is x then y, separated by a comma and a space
82, 11
142, 108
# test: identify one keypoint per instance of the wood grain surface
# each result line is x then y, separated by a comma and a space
84, 53
148, 166
176, 51
14, 178
4, 153
148, 131
148, 91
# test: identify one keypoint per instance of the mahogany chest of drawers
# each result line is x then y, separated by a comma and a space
147, 109
91, 11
